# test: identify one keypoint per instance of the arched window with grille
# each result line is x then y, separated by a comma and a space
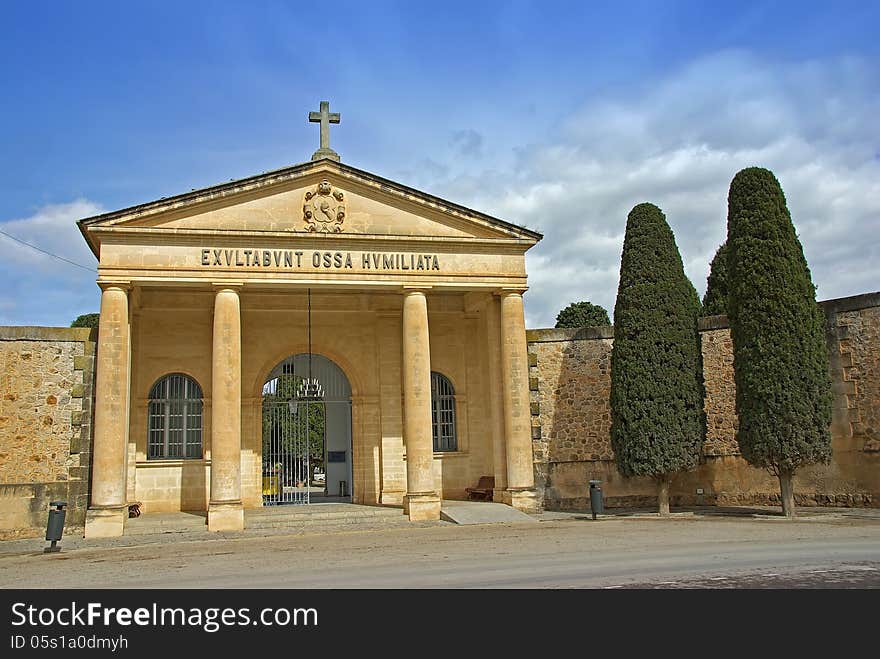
443, 413
175, 419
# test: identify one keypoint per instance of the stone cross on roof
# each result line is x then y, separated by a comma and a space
325, 118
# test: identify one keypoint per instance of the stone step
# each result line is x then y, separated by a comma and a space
310, 513
329, 527
165, 523
314, 515
306, 517
320, 525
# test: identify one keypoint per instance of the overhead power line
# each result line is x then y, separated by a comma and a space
54, 256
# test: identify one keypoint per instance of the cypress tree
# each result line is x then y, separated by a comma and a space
582, 314
780, 360
657, 418
715, 299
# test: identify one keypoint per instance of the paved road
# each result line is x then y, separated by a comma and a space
836, 576
828, 551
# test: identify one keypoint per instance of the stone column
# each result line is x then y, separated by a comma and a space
108, 509
515, 390
421, 502
225, 512
393, 467
496, 404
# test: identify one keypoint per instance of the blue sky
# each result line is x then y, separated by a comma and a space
557, 115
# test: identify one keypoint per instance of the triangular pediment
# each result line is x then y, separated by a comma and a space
314, 198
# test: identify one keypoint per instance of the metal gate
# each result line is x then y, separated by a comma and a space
295, 438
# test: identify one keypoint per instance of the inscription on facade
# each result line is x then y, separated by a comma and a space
297, 259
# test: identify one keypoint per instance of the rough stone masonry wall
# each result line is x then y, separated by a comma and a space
720, 398
570, 379
570, 383
46, 388
857, 334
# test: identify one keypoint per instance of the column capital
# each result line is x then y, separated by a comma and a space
410, 290
512, 290
123, 285
218, 286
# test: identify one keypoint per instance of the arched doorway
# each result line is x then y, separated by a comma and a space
306, 438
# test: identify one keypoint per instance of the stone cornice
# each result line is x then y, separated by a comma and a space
317, 241
193, 278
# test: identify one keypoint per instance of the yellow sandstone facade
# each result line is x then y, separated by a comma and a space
213, 285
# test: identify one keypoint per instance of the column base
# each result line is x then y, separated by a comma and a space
422, 507
501, 496
524, 499
388, 498
105, 522
226, 516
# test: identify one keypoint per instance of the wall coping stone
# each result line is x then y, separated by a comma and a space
551, 334
709, 323
851, 303
35, 333
704, 324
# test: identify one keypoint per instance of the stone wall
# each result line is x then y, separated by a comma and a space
720, 401
46, 388
854, 338
46, 400
570, 382
570, 379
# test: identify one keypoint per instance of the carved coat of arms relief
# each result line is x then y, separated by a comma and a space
324, 208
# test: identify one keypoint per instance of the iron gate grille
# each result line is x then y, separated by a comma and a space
295, 429
293, 433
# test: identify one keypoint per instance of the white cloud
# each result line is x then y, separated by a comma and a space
41, 290
678, 142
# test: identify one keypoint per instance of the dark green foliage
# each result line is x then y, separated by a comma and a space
657, 418
715, 299
582, 314
783, 390
86, 320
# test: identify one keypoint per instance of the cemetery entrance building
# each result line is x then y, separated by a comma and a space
313, 331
